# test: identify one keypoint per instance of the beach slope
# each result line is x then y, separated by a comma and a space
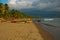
20, 31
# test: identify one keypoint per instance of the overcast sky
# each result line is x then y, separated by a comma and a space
36, 4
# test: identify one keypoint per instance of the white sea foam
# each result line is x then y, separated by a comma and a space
50, 19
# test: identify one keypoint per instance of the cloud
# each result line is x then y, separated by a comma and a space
38, 4
21, 4
11, 1
41, 5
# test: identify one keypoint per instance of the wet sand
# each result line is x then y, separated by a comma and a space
45, 34
23, 31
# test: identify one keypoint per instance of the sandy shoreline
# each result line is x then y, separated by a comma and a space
45, 34
22, 31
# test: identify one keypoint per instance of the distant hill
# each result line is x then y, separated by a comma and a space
41, 13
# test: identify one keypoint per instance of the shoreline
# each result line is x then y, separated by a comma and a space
25, 29
45, 34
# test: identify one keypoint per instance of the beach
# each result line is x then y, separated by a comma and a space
53, 27
23, 31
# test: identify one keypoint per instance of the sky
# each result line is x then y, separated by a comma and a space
3, 1
47, 5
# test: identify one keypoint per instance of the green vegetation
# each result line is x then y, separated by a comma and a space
5, 12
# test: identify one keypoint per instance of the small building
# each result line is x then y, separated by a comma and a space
28, 20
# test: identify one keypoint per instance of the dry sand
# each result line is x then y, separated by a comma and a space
19, 31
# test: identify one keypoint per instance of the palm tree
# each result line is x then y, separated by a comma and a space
6, 13
1, 9
6, 7
15, 13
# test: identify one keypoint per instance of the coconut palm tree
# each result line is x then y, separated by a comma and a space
6, 7
6, 13
1, 9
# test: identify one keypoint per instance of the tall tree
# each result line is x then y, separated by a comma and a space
1, 9
6, 10
6, 7
5, 13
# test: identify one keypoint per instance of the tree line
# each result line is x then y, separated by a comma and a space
5, 12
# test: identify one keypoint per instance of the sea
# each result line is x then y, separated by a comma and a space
50, 18
53, 27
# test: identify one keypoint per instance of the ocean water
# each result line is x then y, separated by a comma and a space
41, 13
52, 21
44, 15
54, 30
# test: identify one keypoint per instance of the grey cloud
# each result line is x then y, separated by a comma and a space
38, 4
